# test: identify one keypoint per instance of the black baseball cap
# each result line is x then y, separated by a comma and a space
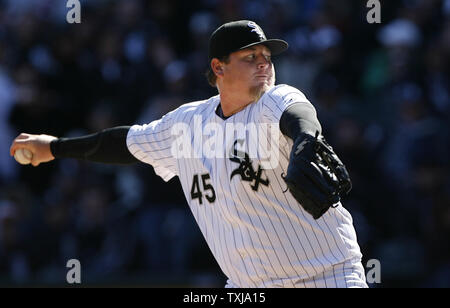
238, 35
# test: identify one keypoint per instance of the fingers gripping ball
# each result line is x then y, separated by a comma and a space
23, 156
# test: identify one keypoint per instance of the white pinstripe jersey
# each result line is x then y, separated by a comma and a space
260, 237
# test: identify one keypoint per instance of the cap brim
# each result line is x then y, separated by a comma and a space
276, 46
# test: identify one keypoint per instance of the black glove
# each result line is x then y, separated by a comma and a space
316, 177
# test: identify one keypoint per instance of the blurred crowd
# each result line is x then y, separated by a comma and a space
382, 93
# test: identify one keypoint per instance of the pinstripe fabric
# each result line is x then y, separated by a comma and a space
349, 274
260, 237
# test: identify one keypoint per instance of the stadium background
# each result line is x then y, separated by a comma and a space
381, 91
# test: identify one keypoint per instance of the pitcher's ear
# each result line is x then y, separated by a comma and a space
217, 66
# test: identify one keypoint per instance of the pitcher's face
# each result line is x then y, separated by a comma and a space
250, 71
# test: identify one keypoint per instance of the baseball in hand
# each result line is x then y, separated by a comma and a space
23, 156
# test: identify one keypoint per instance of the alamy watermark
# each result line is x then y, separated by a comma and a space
74, 273
235, 141
374, 14
373, 274
74, 14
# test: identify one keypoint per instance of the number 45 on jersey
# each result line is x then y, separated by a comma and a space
202, 188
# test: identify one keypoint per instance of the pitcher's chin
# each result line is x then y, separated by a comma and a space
258, 91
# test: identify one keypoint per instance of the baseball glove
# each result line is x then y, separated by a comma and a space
316, 177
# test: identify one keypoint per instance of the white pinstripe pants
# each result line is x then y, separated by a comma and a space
349, 274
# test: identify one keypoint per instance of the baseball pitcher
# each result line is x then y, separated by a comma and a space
263, 184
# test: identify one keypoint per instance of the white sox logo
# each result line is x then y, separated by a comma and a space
245, 169
257, 29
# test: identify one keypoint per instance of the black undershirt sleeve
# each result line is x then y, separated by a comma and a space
299, 119
108, 146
